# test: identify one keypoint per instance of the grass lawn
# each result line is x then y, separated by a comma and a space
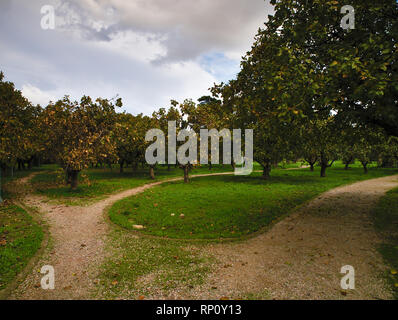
6, 182
103, 182
140, 267
20, 238
228, 206
386, 222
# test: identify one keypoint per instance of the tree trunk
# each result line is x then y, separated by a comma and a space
35, 160
121, 163
323, 170
266, 171
74, 178
68, 178
168, 167
135, 166
211, 166
152, 172
186, 174
365, 167
233, 164
347, 164
1, 184
3, 170
312, 167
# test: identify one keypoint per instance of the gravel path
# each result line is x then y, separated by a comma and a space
77, 249
299, 258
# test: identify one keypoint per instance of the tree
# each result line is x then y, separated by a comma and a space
212, 113
353, 73
254, 100
303, 65
19, 135
271, 147
78, 134
367, 145
161, 119
188, 108
389, 152
320, 140
145, 124
348, 138
307, 149
129, 136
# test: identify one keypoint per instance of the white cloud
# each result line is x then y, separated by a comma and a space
139, 94
37, 96
136, 46
191, 27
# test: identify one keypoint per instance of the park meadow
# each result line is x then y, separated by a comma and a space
85, 215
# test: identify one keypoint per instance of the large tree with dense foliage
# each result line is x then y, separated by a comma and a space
129, 135
80, 133
320, 142
20, 137
304, 67
352, 72
367, 145
161, 120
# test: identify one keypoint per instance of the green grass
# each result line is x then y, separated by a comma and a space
386, 222
20, 235
147, 267
264, 295
103, 182
227, 206
157, 267
9, 179
20, 238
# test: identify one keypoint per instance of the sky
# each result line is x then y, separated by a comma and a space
145, 51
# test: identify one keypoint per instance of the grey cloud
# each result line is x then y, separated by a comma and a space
191, 27
57, 62
5, 5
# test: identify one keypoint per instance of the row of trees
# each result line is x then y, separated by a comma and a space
308, 88
77, 135
80, 134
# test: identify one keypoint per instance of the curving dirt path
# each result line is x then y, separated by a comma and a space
77, 249
301, 257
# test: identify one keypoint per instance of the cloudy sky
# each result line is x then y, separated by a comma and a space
145, 51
